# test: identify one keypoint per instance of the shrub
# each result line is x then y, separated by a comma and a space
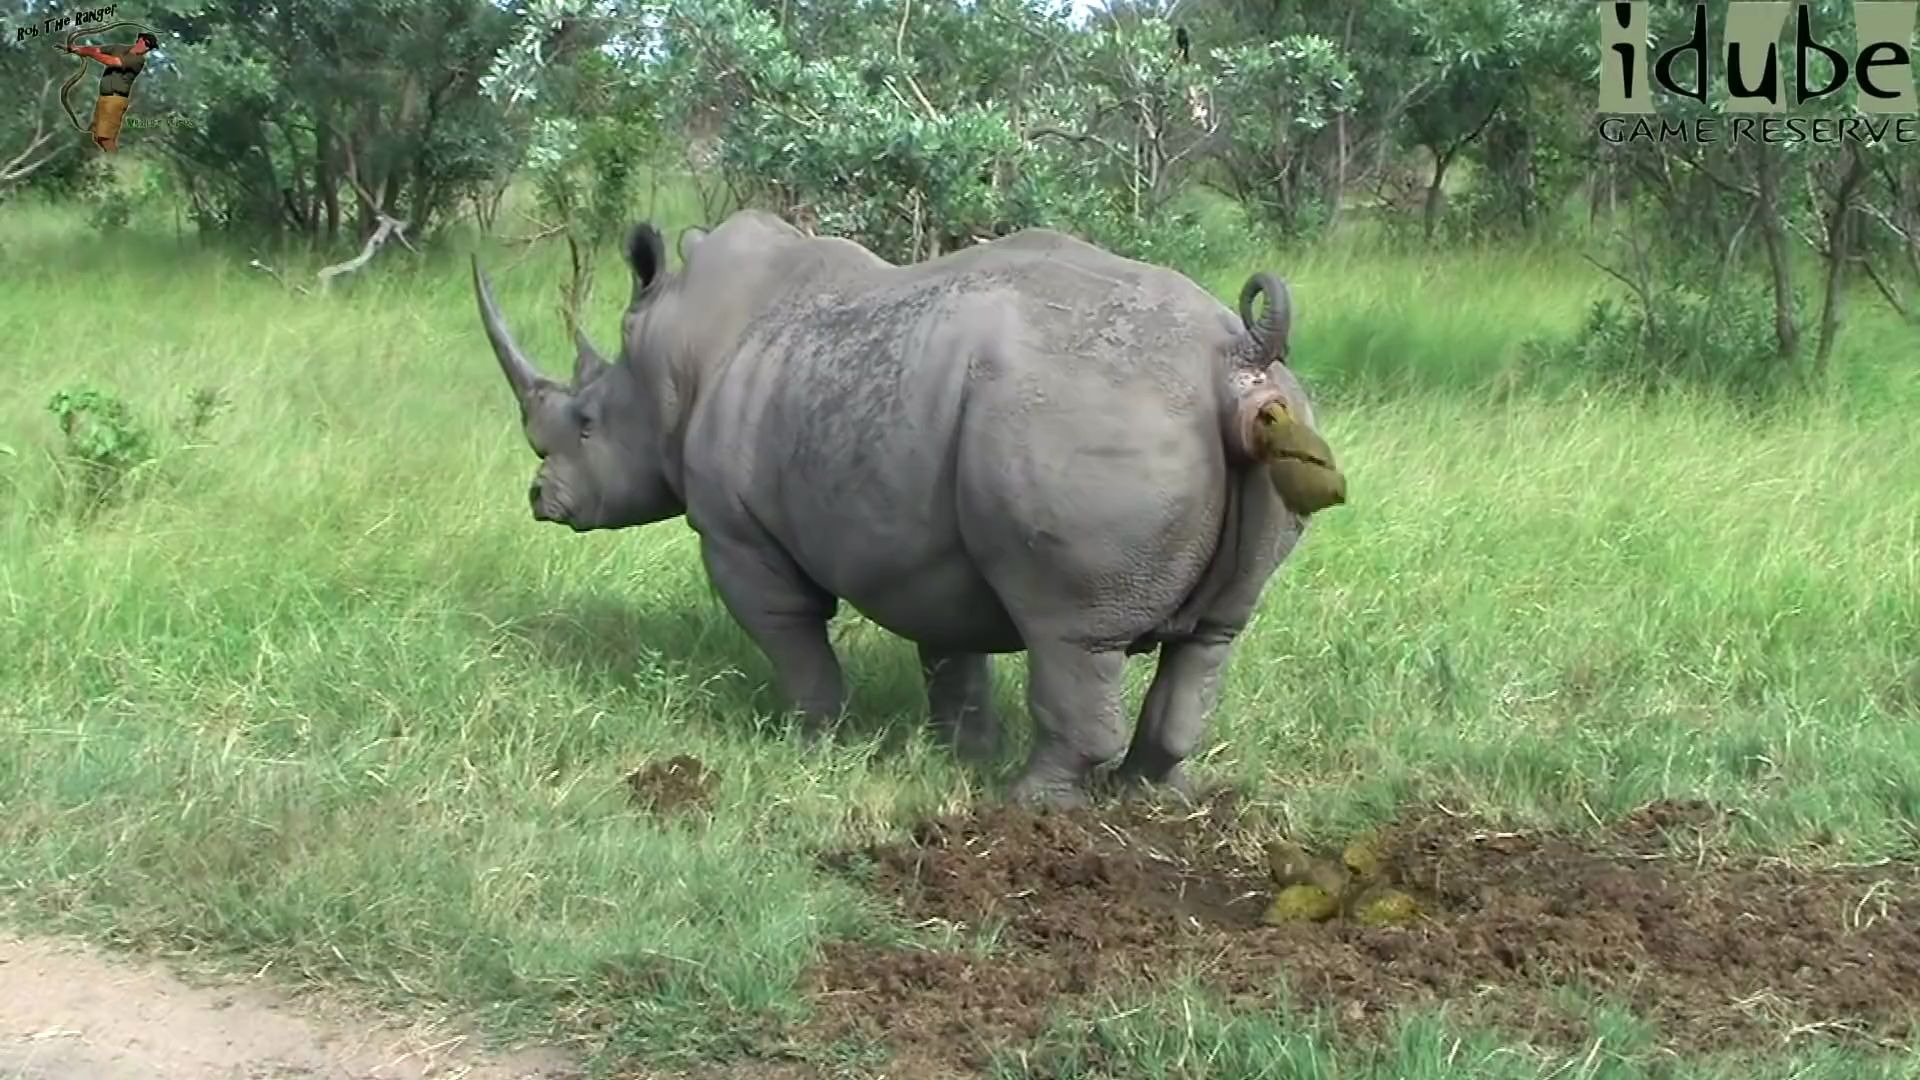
106, 444
1722, 341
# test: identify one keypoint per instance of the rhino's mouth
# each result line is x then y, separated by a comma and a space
559, 518
549, 503
558, 512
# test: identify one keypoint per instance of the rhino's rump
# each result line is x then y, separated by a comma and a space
1091, 496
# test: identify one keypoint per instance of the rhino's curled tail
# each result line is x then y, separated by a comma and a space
1261, 427
1271, 332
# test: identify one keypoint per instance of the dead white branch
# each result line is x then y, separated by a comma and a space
545, 233
900, 53
277, 276
29, 160
389, 227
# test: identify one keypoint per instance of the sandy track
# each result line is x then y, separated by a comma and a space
69, 1013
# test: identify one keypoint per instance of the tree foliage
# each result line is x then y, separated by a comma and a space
1747, 199
39, 150
310, 116
918, 126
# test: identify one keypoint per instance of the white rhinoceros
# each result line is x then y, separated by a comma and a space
1030, 444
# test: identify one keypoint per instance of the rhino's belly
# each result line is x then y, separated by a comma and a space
941, 602
974, 622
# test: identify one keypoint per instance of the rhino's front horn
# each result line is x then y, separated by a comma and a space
521, 374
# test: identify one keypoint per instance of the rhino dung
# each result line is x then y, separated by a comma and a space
1380, 906
1290, 864
1315, 889
1301, 903
1299, 462
1362, 856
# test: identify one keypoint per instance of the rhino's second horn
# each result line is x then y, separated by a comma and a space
588, 364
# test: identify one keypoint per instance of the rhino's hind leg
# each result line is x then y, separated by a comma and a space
786, 616
1073, 693
1174, 717
960, 697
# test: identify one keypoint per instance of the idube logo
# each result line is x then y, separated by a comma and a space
1877, 63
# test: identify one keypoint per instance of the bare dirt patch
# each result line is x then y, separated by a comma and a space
68, 1013
1717, 953
674, 786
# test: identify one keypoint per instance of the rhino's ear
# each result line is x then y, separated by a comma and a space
690, 239
647, 254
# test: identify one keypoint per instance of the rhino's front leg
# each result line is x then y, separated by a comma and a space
786, 615
960, 697
1074, 695
1175, 715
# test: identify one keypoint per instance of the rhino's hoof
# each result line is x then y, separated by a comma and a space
976, 744
1129, 781
815, 732
1047, 794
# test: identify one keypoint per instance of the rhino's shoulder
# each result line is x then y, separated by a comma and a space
838, 254
1052, 246
1033, 247
1038, 237
1043, 261
751, 219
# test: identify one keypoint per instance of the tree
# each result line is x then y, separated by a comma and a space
1820, 194
38, 145
293, 105
912, 125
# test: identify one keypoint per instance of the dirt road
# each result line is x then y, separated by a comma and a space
68, 1013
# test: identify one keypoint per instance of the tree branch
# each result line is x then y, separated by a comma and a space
1639, 290
388, 227
1886, 291
277, 276
1106, 144
24, 164
579, 287
1498, 103
900, 54
1702, 168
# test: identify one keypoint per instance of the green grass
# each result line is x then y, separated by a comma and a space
321, 694
1182, 1036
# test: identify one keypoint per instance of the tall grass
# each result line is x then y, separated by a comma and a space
323, 695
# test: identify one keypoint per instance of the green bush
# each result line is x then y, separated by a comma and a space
112, 209
1722, 341
106, 444
109, 451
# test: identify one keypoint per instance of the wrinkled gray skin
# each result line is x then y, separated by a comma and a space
1017, 446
